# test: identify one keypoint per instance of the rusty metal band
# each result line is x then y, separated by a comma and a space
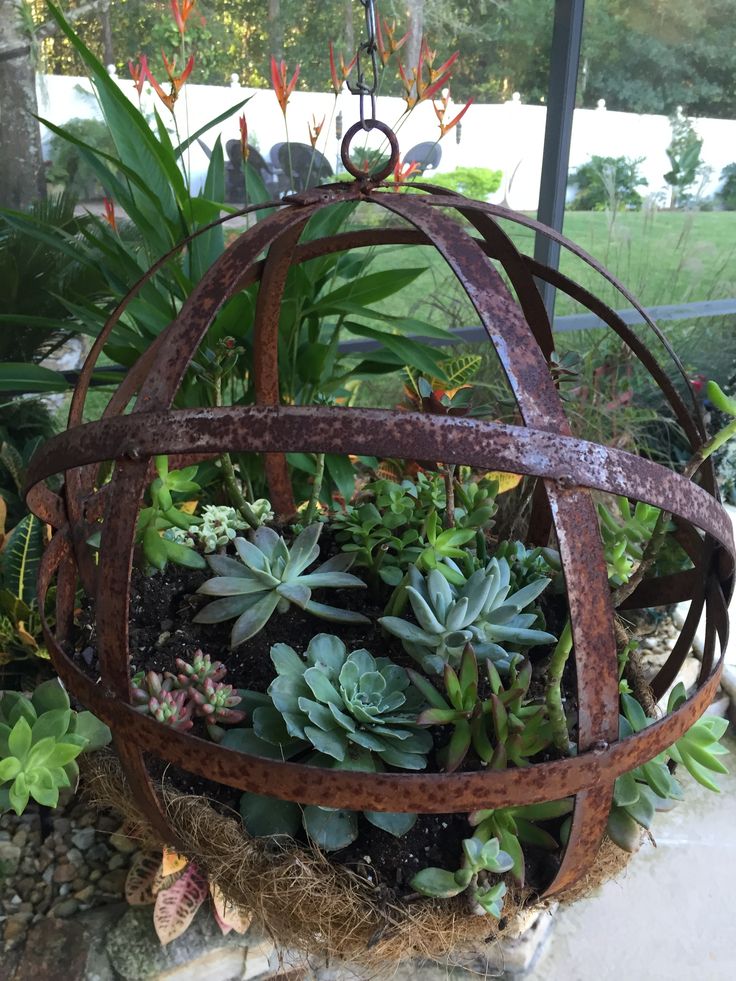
377, 432
425, 793
573, 513
266, 357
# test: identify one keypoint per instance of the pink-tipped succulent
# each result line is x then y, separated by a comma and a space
215, 702
201, 670
154, 697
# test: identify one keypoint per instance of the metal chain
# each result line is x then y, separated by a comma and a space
369, 47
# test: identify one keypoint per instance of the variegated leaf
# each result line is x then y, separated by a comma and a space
172, 862
506, 481
139, 886
177, 906
228, 916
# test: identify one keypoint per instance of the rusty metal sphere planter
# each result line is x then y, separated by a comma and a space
567, 468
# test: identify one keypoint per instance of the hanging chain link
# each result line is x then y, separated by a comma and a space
368, 48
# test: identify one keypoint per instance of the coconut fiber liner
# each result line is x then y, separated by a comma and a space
305, 902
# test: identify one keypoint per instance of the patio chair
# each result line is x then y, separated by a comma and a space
426, 155
309, 166
234, 183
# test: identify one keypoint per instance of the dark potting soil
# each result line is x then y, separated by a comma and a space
162, 629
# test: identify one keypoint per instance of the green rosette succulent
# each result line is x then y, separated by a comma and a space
481, 611
268, 576
338, 710
347, 705
40, 739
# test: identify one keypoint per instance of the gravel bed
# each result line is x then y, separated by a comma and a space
58, 863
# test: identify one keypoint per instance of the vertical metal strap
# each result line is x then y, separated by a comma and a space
564, 61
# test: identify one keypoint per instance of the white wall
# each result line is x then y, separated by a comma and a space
507, 136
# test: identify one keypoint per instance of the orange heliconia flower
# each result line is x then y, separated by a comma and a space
440, 111
177, 81
139, 72
338, 80
419, 88
109, 215
403, 171
282, 89
315, 129
244, 148
386, 50
181, 13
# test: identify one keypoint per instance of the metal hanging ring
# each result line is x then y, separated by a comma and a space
393, 159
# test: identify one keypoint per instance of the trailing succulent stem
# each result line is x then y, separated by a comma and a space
479, 860
553, 691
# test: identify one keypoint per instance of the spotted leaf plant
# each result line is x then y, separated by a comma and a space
268, 576
480, 861
480, 611
338, 709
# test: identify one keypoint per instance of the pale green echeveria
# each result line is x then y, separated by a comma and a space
349, 706
40, 738
347, 711
480, 612
268, 576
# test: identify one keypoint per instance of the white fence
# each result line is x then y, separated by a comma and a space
507, 136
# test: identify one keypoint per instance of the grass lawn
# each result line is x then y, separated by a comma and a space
662, 257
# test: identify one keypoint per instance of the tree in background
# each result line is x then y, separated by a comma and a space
653, 56
607, 183
684, 155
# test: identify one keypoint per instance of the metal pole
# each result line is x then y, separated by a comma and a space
564, 61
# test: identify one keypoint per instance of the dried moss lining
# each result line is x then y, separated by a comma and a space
303, 901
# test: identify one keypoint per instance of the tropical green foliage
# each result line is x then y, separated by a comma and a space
40, 739
68, 167
727, 191
607, 183
684, 156
268, 576
474, 182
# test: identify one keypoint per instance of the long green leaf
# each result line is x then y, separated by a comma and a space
413, 353
137, 146
368, 289
20, 377
185, 144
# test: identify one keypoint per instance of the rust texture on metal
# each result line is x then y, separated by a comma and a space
567, 469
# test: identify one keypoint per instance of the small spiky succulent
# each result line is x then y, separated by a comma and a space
349, 706
480, 611
201, 670
268, 576
195, 691
155, 696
